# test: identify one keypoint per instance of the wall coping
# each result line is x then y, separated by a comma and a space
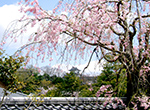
55, 100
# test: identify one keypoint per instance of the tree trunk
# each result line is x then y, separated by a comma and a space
132, 86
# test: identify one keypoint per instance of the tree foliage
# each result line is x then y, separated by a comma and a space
8, 67
31, 80
70, 83
67, 86
114, 75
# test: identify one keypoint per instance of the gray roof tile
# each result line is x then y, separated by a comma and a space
17, 94
56, 103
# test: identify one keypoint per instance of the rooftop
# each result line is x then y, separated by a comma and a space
17, 94
58, 103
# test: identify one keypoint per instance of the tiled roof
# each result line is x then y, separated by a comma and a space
58, 103
60, 107
17, 94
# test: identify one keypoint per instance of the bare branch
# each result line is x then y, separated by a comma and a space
89, 60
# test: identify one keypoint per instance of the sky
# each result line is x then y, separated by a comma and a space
9, 12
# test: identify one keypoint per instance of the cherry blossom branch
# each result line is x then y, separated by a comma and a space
117, 33
26, 45
104, 46
76, 36
104, 55
139, 40
142, 61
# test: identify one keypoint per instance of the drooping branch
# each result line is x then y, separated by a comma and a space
89, 60
26, 45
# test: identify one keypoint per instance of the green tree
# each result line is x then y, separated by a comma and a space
69, 84
45, 84
30, 78
113, 74
30, 83
8, 67
56, 80
88, 90
46, 77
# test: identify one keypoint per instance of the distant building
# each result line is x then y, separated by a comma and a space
75, 70
89, 79
86, 79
